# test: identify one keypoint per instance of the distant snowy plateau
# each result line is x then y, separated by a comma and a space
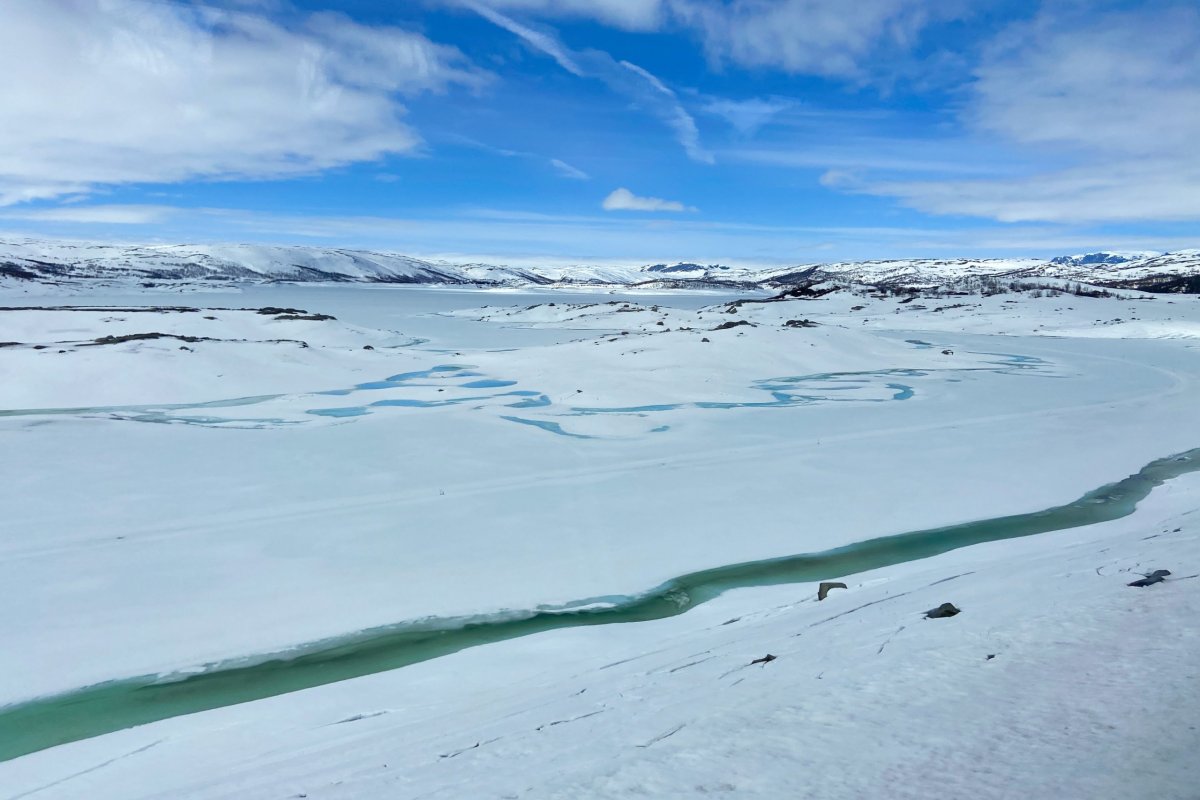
272, 526
48, 262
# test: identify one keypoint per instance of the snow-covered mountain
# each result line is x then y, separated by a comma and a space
65, 261
1083, 259
1179, 271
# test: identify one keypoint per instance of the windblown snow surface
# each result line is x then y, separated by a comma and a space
234, 478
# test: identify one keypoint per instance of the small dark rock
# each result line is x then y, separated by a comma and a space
724, 326
990, 656
767, 659
947, 352
705, 339
799, 323
1154, 577
944, 610
368, 347
826, 586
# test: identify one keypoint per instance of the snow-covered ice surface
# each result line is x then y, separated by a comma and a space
301, 488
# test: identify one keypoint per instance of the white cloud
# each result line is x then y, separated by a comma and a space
818, 37
747, 116
118, 91
1123, 84
568, 171
624, 200
1114, 98
628, 79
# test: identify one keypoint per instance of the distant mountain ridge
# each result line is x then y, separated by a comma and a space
1102, 258
47, 261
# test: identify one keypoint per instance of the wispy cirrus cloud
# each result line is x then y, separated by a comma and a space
568, 171
163, 92
560, 167
814, 37
624, 77
538, 40
672, 113
633, 15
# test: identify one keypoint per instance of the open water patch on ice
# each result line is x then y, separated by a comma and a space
463, 384
103, 708
546, 425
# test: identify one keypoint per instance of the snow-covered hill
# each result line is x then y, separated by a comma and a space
44, 261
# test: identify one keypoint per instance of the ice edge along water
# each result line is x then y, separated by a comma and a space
96, 710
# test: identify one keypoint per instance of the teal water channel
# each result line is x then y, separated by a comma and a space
95, 710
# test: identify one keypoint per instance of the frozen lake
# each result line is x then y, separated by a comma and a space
424, 464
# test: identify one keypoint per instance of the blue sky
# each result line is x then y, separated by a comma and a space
739, 131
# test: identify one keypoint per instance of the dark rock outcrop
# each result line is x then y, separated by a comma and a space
1154, 577
942, 611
